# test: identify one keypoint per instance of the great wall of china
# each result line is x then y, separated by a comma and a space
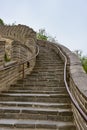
25, 50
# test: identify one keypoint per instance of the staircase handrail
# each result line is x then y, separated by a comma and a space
67, 87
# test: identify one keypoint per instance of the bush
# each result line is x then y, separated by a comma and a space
1, 22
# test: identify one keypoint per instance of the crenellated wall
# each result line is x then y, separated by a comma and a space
21, 33
23, 48
76, 78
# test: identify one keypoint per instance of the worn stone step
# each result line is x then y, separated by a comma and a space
48, 59
35, 104
46, 77
57, 98
36, 91
45, 74
26, 80
48, 71
41, 81
56, 65
37, 88
36, 124
53, 70
37, 85
49, 67
49, 62
54, 114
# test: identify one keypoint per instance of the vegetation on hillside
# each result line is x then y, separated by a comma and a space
82, 58
1, 22
42, 35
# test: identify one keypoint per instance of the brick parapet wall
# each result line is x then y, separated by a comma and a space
23, 48
20, 33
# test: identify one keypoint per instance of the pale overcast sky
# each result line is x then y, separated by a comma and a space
65, 19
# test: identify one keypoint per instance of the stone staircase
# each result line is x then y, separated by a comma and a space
39, 101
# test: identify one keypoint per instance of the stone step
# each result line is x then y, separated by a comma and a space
43, 58
47, 81
37, 84
45, 61
57, 98
49, 61
54, 114
56, 65
37, 88
41, 78
45, 64
36, 124
35, 104
36, 91
40, 81
54, 74
42, 65
47, 77
48, 67
47, 70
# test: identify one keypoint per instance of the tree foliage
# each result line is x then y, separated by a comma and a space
42, 35
82, 58
1, 22
84, 63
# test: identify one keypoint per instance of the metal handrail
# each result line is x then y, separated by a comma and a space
67, 87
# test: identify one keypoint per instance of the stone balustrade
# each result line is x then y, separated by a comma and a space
77, 81
78, 86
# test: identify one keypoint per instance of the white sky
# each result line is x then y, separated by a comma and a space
65, 19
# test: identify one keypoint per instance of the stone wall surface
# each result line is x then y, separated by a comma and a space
78, 86
76, 78
2, 52
23, 48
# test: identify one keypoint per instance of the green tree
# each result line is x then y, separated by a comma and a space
1, 22
42, 34
84, 63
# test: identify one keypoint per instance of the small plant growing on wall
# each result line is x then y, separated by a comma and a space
6, 58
